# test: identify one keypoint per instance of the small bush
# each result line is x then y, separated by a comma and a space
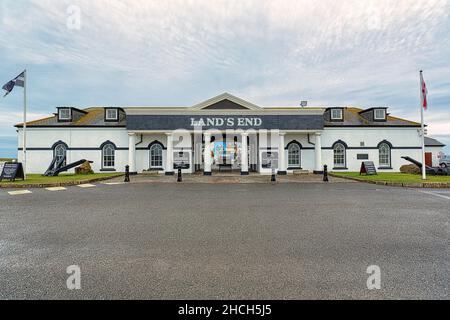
410, 168
85, 168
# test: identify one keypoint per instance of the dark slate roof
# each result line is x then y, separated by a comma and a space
430, 142
352, 117
94, 117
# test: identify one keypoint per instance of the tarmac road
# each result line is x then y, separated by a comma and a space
225, 241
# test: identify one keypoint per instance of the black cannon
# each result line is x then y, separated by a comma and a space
432, 171
58, 166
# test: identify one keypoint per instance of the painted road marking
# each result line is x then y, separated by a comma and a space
56, 189
16, 193
436, 194
87, 185
113, 183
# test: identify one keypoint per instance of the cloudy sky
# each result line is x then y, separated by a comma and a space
151, 52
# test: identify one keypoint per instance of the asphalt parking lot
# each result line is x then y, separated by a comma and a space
225, 241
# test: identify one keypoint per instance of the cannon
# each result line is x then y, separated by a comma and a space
432, 171
57, 166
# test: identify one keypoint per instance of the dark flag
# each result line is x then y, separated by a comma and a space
17, 81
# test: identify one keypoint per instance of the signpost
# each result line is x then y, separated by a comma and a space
269, 160
12, 171
368, 168
181, 160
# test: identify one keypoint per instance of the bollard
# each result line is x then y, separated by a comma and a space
325, 173
274, 176
127, 174
180, 177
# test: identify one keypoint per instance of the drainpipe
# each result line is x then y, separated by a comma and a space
141, 140
309, 140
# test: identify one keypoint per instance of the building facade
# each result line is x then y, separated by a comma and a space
434, 151
222, 133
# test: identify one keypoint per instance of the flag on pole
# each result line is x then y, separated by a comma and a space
17, 81
424, 92
21, 81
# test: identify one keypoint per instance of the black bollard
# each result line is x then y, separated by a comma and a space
325, 173
274, 176
127, 174
180, 177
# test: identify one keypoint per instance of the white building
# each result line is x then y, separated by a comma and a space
222, 133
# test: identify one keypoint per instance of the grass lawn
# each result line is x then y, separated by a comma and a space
5, 160
37, 179
394, 177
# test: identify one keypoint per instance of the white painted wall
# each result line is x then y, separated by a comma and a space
92, 138
143, 156
89, 138
398, 137
307, 154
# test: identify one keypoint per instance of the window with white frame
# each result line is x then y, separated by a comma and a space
108, 156
380, 114
339, 155
385, 155
64, 114
60, 153
112, 115
156, 156
336, 114
294, 155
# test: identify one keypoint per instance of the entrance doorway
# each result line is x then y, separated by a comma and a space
429, 159
226, 153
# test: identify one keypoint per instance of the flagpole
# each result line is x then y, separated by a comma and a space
424, 171
24, 149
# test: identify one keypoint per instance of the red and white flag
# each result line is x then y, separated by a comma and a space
423, 92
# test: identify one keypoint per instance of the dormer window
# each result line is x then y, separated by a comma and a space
64, 114
337, 114
111, 115
379, 114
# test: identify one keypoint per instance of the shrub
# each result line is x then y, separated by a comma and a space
410, 168
85, 168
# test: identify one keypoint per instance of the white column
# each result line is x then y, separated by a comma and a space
207, 155
169, 155
132, 152
281, 155
318, 153
244, 154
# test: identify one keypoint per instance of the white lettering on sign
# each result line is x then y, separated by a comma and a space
229, 122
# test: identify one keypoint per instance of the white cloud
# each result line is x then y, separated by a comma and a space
270, 52
10, 118
174, 38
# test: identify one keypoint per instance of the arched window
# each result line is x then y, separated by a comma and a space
294, 155
385, 154
339, 155
156, 156
60, 152
108, 156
